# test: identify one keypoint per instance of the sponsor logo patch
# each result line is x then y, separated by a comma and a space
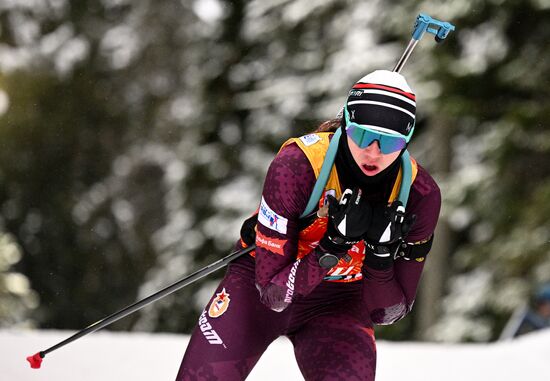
273, 245
310, 139
209, 333
270, 219
219, 305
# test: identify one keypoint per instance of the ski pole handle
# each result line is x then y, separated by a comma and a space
423, 24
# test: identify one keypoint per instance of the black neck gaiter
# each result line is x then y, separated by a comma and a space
375, 188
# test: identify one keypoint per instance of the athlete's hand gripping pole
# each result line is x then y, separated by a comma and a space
389, 228
423, 24
36, 359
348, 220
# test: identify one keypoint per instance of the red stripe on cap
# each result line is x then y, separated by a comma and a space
382, 87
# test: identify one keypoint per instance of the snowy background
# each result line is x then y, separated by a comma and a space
140, 356
135, 137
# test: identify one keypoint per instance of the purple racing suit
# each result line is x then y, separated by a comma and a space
329, 323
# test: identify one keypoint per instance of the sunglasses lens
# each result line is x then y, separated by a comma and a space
360, 136
389, 144
364, 137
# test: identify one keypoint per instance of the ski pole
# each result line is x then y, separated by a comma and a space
423, 24
36, 359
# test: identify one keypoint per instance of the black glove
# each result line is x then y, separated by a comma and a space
388, 228
348, 220
248, 229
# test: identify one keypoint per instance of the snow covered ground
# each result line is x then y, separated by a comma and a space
109, 356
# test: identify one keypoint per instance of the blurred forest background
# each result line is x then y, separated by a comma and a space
134, 137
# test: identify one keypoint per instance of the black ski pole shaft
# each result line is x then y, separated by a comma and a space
36, 359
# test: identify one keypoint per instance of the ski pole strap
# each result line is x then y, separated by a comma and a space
323, 175
406, 178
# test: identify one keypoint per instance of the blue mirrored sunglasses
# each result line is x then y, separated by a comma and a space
364, 135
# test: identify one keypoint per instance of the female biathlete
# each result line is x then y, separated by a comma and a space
325, 280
